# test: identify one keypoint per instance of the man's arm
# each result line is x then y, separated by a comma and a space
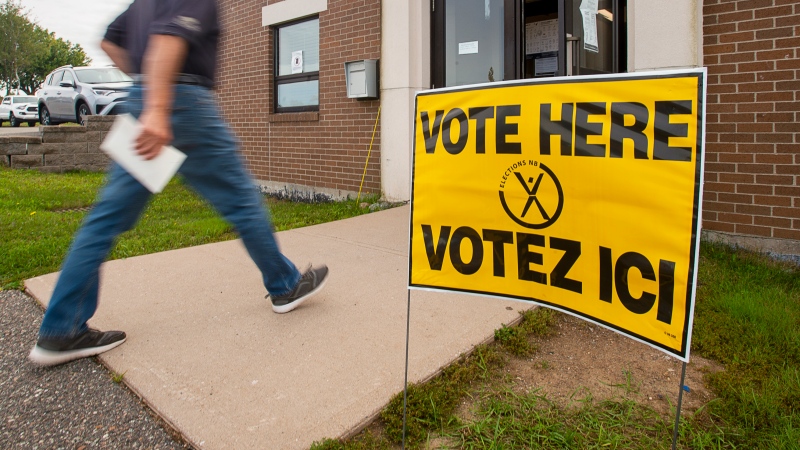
162, 62
119, 56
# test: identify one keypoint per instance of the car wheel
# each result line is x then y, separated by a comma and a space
13, 120
44, 116
83, 113
31, 124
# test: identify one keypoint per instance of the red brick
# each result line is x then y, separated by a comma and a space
754, 189
786, 234
755, 127
771, 200
774, 159
720, 29
786, 212
735, 218
754, 210
735, 198
714, 10
739, 16
718, 226
793, 169
771, 55
775, 137
736, 157
772, 222
743, 36
755, 107
774, 33
738, 78
789, 191
753, 230
739, 57
755, 46
748, 97
718, 207
759, 66
788, 20
760, 24
775, 179
787, 148
780, 11
719, 49
720, 187
755, 168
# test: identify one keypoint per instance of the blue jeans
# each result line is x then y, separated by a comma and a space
212, 167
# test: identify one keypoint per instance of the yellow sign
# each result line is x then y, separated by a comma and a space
582, 194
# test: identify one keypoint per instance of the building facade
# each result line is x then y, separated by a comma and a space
283, 87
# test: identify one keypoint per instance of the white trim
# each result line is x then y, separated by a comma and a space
291, 9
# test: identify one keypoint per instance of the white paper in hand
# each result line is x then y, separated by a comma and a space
154, 174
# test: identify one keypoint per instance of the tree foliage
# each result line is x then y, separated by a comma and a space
29, 52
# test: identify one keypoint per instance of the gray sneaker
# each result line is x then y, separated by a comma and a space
51, 352
311, 282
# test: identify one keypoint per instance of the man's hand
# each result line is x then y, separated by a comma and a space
156, 133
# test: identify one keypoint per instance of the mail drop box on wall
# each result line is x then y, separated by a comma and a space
361, 78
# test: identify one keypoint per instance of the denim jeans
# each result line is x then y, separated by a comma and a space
213, 168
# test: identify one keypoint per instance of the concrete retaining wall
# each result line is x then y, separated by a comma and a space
59, 148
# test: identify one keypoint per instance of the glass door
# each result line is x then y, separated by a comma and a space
594, 33
475, 41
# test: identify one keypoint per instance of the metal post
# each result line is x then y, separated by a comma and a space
678, 412
405, 381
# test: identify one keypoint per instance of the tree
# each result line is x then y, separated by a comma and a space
29, 52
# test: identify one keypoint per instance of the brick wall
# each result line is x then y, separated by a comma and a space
752, 176
58, 148
320, 151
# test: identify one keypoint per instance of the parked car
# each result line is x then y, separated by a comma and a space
19, 108
70, 94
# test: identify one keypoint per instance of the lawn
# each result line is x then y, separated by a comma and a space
39, 213
747, 317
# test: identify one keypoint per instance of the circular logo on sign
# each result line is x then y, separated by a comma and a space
531, 195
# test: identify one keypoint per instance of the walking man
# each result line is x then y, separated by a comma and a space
170, 48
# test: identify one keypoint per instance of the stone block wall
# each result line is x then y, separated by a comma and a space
59, 148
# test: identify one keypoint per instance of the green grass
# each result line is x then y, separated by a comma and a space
39, 214
747, 317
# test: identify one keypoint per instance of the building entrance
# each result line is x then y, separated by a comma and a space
479, 41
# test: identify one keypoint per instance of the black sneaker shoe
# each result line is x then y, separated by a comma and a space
312, 280
51, 352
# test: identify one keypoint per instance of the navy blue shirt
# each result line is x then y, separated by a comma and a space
196, 21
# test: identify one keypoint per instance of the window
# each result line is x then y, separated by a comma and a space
297, 66
56, 78
68, 78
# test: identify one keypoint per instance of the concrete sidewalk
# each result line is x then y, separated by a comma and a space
207, 353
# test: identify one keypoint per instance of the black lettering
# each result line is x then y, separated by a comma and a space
551, 127
431, 135
498, 240
558, 277
479, 115
625, 262
584, 129
477, 250
435, 256
455, 148
664, 130
504, 129
666, 291
606, 275
634, 132
525, 257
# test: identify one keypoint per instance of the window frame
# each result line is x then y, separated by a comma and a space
279, 80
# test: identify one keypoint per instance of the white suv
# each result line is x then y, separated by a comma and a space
70, 94
19, 108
